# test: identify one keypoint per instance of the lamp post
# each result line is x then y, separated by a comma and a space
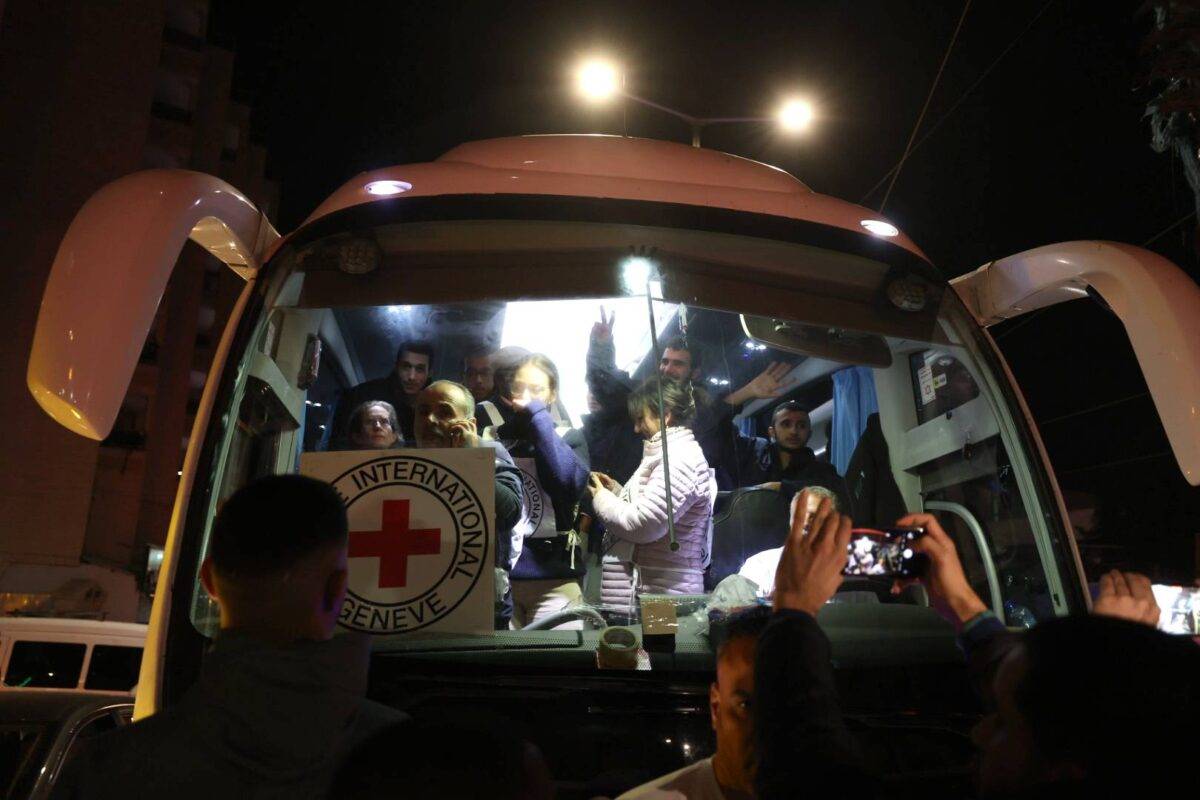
598, 81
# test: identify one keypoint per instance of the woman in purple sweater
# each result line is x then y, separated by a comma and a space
553, 459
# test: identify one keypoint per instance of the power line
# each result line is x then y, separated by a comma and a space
1169, 228
960, 100
921, 117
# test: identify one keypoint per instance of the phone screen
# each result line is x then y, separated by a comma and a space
885, 552
1179, 607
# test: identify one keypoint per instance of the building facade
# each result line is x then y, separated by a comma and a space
90, 92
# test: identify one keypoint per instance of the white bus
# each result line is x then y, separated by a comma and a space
520, 242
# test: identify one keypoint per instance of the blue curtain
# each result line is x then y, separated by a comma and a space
854, 400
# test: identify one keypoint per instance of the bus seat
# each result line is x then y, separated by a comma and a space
745, 522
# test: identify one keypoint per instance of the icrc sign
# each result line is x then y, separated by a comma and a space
422, 534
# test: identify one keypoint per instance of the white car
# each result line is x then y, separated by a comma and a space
52, 654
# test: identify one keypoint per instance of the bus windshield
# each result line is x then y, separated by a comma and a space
558, 350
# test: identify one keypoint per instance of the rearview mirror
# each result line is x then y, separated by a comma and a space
109, 275
835, 344
1157, 302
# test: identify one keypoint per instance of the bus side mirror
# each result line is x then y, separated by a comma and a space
109, 274
1157, 302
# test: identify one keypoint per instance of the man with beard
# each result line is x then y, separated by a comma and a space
784, 461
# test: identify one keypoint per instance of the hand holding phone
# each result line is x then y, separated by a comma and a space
885, 552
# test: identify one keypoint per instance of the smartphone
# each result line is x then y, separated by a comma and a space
885, 552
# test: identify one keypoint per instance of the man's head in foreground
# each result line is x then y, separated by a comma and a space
729, 698
277, 559
1090, 704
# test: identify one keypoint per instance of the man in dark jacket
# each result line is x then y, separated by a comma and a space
445, 417
400, 387
279, 700
784, 460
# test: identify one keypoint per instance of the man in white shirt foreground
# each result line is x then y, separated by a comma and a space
728, 774
761, 567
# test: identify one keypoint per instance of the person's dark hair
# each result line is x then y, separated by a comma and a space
787, 405
746, 622
432, 763
275, 522
1107, 694
540, 361
356, 417
505, 363
677, 396
421, 348
478, 351
681, 343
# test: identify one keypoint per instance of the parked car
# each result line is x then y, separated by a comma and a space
41, 731
70, 654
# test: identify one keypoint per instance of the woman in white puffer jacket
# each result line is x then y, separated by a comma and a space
637, 553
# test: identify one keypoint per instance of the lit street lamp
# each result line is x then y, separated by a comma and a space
599, 80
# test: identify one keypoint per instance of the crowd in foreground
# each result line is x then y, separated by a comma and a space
1075, 707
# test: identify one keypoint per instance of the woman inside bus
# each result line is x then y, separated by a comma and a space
554, 460
373, 426
637, 552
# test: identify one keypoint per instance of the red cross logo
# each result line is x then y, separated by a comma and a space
394, 543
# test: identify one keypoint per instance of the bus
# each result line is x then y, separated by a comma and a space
547, 244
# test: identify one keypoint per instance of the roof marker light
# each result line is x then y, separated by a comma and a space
387, 188
880, 228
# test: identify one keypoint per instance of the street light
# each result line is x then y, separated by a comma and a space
599, 80
795, 115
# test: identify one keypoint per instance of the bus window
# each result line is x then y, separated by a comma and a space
45, 665
796, 374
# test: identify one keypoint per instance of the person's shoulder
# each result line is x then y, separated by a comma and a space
694, 782
499, 450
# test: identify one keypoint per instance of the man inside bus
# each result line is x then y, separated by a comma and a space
399, 387
728, 773
279, 699
445, 417
478, 374
783, 460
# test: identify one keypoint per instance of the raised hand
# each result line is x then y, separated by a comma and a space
602, 330
945, 578
810, 567
462, 433
1127, 595
771, 382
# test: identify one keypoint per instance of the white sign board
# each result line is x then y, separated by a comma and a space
422, 537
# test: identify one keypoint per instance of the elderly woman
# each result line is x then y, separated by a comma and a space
373, 426
638, 556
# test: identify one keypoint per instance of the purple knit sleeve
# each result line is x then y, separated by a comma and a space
564, 474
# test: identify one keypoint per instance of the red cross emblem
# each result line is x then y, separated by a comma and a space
394, 543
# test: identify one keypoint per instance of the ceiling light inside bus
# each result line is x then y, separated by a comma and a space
880, 228
635, 274
387, 188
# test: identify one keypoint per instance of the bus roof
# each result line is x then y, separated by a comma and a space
602, 166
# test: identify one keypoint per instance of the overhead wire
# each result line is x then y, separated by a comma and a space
928, 98
982, 76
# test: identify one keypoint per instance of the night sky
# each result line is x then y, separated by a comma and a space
1050, 146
